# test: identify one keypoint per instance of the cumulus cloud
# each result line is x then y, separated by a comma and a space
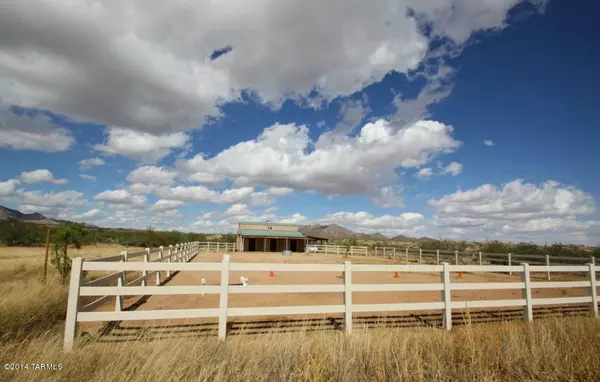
453, 169
365, 219
166, 205
56, 58
202, 194
120, 197
518, 208
488, 142
40, 176
238, 209
31, 130
90, 215
388, 197
141, 146
424, 173
8, 188
152, 175
49, 203
86, 164
280, 157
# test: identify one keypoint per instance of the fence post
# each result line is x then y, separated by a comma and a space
223, 297
406, 253
446, 297
160, 260
420, 254
120, 283
480, 263
437, 257
73, 304
348, 297
218, 246
526, 279
169, 260
509, 262
145, 272
593, 290
592, 260
548, 264
455, 257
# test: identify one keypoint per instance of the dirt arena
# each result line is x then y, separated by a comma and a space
161, 302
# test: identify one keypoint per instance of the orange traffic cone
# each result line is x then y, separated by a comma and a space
460, 275
271, 274
396, 275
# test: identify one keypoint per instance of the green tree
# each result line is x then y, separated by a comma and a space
64, 236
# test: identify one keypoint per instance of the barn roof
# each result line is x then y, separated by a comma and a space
271, 233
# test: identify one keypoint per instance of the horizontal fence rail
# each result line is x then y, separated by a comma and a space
178, 255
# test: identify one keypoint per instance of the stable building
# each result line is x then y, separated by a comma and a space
270, 237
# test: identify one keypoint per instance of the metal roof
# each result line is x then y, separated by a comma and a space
270, 223
271, 233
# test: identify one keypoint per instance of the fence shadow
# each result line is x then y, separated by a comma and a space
115, 332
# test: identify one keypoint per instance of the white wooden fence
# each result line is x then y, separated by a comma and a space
210, 246
75, 314
423, 256
341, 250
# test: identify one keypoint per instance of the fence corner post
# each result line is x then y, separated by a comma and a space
348, 297
73, 304
224, 297
446, 297
593, 290
526, 279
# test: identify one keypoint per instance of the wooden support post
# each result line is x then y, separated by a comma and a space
223, 297
169, 260
437, 256
348, 297
73, 304
593, 290
120, 283
406, 253
526, 279
144, 272
480, 263
446, 297
46, 255
548, 264
420, 255
160, 260
455, 257
509, 263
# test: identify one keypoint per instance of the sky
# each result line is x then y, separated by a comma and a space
468, 120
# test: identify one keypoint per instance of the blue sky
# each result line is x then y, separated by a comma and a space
469, 121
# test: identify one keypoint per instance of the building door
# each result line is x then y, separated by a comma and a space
273, 245
251, 245
293, 245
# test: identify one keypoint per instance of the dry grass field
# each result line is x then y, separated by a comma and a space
32, 321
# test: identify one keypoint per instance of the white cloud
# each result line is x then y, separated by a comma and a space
141, 146
278, 51
238, 209
208, 215
88, 177
270, 210
366, 220
90, 215
268, 196
8, 188
280, 157
389, 197
202, 194
122, 197
488, 142
31, 131
50, 203
142, 188
424, 173
453, 168
91, 162
518, 210
165, 205
152, 175
40, 176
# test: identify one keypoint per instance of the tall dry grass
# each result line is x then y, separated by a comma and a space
548, 350
32, 319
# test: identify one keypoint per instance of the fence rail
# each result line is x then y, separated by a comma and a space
353, 250
445, 286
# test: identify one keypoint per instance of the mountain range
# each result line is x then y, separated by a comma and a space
34, 218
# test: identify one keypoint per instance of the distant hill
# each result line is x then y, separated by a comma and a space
33, 218
337, 232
